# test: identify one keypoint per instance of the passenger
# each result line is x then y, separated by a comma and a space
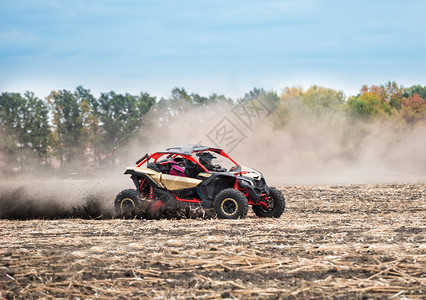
177, 169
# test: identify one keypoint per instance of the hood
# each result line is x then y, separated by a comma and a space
252, 173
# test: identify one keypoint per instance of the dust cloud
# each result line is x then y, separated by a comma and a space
308, 149
331, 148
338, 151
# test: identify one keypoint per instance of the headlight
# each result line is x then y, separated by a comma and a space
246, 182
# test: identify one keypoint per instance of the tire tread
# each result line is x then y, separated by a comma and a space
279, 205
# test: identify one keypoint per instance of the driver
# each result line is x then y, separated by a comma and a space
205, 158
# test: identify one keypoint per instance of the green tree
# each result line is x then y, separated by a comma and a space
91, 123
26, 130
121, 116
269, 99
36, 128
416, 89
69, 135
198, 100
215, 98
179, 102
12, 114
253, 94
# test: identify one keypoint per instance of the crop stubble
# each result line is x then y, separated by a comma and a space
332, 242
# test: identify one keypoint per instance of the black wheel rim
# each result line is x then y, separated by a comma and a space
229, 206
127, 206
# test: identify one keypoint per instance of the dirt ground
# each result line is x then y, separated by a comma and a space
339, 242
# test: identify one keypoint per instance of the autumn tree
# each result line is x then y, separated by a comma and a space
372, 101
320, 99
413, 109
413, 104
366, 105
394, 94
390, 95
315, 102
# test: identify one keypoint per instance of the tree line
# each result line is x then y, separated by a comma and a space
69, 126
388, 101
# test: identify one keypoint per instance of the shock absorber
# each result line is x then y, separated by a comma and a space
151, 192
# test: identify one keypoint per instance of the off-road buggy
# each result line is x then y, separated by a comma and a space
187, 174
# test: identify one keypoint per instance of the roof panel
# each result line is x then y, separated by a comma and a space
188, 149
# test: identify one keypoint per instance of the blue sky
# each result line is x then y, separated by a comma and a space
226, 47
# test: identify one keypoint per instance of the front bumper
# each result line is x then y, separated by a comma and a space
256, 189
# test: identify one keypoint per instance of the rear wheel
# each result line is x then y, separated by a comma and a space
275, 203
126, 202
230, 204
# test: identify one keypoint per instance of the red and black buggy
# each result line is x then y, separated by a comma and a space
187, 174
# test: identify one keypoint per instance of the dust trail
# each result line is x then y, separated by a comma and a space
84, 199
52, 199
19, 205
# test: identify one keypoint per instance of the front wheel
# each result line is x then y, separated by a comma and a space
230, 204
276, 205
126, 202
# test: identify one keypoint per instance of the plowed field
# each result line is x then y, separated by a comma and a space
346, 241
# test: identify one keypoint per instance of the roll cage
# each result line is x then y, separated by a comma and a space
184, 152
